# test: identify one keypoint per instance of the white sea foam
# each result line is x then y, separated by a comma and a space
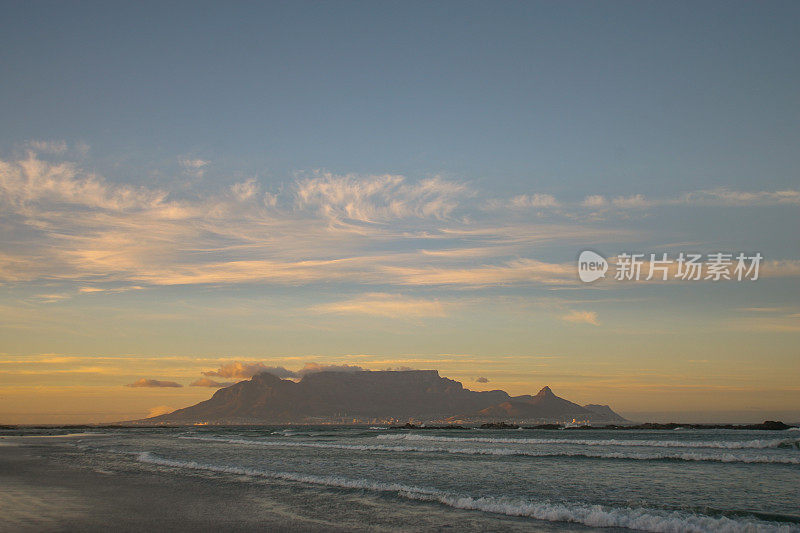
728, 445
286, 432
589, 515
677, 456
65, 435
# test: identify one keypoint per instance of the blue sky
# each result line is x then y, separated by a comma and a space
611, 97
397, 184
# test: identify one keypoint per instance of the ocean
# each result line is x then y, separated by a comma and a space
475, 479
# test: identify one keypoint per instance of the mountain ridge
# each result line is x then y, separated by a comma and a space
386, 396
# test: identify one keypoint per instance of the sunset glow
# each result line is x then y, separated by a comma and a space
394, 198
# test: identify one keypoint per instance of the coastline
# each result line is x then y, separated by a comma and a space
767, 425
376, 479
40, 492
45, 486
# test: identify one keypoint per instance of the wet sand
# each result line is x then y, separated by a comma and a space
38, 493
46, 484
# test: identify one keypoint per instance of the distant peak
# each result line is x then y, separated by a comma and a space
545, 392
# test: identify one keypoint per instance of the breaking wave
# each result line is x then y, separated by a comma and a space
644, 456
590, 515
730, 445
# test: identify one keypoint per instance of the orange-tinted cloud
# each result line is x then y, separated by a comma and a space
581, 317
311, 368
381, 304
144, 382
205, 382
246, 370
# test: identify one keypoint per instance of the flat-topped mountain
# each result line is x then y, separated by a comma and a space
373, 396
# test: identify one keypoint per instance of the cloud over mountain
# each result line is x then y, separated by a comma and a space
311, 368
246, 370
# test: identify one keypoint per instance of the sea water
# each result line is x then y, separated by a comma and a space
682, 480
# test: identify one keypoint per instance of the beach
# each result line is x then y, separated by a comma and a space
44, 487
382, 479
43, 490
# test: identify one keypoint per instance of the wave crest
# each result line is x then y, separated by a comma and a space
636, 456
730, 445
589, 515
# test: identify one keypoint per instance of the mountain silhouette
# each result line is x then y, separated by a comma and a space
546, 406
373, 396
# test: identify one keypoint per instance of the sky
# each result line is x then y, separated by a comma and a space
191, 192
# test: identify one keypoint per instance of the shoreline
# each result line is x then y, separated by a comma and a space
41, 490
45, 486
767, 425
151, 479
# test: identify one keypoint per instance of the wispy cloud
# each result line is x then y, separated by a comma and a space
48, 147
73, 225
781, 268
193, 167
729, 197
246, 370
312, 368
595, 200
581, 317
765, 310
205, 382
389, 305
245, 190
507, 273
51, 298
527, 201
775, 319
67, 225
379, 198
154, 383
721, 197
635, 201
29, 182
